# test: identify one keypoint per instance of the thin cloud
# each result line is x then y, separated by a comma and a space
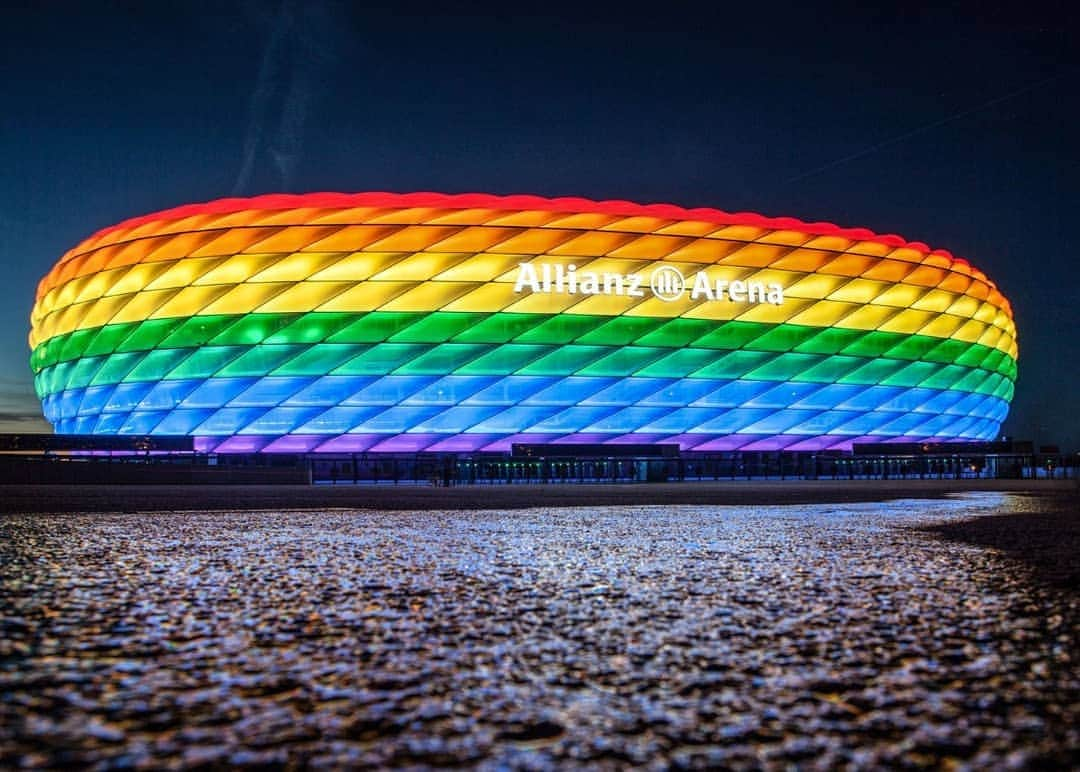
922, 129
7, 416
302, 42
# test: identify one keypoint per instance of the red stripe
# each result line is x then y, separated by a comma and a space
277, 201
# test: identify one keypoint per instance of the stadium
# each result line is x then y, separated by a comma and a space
391, 323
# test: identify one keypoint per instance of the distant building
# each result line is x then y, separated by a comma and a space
466, 323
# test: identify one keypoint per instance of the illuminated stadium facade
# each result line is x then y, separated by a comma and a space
381, 322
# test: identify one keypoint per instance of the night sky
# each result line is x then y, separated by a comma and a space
955, 125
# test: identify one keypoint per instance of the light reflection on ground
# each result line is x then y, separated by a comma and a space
692, 635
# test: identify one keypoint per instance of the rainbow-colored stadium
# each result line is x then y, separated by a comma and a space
427, 322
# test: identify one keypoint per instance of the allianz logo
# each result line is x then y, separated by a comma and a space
665, 282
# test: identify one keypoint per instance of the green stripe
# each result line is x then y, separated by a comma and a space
541, 329
505, 359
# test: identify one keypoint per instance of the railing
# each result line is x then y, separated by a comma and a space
497, 469
469, 470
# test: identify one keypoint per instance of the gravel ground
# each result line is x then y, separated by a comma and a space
854, 634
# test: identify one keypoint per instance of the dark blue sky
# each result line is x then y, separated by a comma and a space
954, 125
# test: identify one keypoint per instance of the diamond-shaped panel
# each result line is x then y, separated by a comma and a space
423, 321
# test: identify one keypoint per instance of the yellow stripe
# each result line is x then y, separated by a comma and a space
277, 261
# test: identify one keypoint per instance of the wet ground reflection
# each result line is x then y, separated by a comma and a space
693, 636
1043, 533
